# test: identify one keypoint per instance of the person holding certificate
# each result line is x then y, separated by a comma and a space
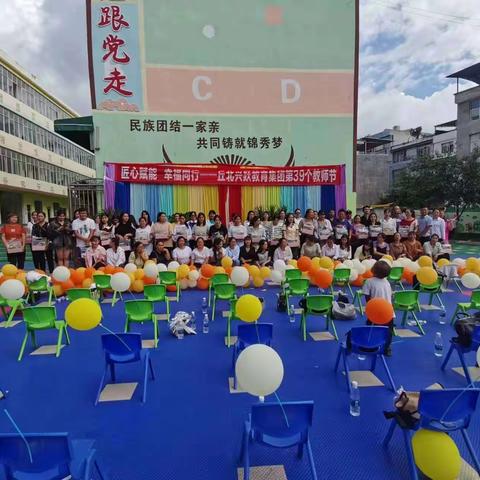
162, 230
143, 235
13, 237
41, 248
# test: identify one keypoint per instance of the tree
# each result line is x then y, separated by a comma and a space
440, 181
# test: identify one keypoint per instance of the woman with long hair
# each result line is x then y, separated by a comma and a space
162, 230
138, 255
292, 235
105, 230
41, 248
61, 233
125, 232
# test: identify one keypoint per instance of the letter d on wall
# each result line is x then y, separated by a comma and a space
290, 86
196, 88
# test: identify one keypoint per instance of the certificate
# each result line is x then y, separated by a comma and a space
39, 244
105, 237
125, 244
14, 246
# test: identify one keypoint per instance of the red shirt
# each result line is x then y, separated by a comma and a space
13, 231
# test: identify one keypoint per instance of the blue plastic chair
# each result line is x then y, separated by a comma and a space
367, 341
446, 411
250, 334
125, 348
462, 350
268, 426
54, 456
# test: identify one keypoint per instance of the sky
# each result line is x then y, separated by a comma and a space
407, 48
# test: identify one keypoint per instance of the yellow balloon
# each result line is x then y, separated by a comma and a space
293, 262
138, 286
436, 455
9, 270
83, 314
248, 308
227, 262
326, 262
219, 270
442, 262
258, 281
316, 261
254, 271
387, 257
425, 261
183, 271
427, 275
471, 263
265, 272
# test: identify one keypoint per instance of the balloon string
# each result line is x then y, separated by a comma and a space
116, 335
283, 410
258, 334
457, 397
20, 433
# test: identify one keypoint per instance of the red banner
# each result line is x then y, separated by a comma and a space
177, 174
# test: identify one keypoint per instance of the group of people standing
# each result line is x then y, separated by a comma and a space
200, 238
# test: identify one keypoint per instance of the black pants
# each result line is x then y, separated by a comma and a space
39, 260
390, 326
17, 259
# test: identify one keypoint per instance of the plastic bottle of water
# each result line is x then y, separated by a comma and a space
205, 323
442, 320
193, 322
292, 314
204, 306
438, 345
355, 400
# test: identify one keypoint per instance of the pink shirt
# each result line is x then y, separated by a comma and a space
94, 256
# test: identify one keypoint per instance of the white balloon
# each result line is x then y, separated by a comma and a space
173, 266
279, 265
150, 270
13, 289
460, 262
290, 267
359, 267
349, 263
259, 370
396, 263
414, 267
192, 283
341, 266
353, 274
193, 275
33, 276
183, 284
120, 282
276, 276
130, 268
239, 276
478, 356
61, 274
369, 263
161, 267
471, 280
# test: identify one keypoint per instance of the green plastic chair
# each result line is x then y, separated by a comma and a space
320, 305
341, 278
464, 307
407, 302
292, 274
14, 306
139, 311
41, 286
102, 283
217, 278
358, 299
434, 291
228, 293
157, 293
296, 287
76, 293
395, 277
42, 318
170, 278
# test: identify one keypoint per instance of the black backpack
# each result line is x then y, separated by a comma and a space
465, 327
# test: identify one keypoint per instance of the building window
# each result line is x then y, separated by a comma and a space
448, 148
475, 109
474, 142
399, 156
423, 151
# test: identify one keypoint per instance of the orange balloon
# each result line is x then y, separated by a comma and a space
193, 267
202, 283
149, 281
87, 283
228, 270
461, 271
367, 274
89, 272
137, 286
322, 278
118, 270
67, 285
358, 282
304, 264
58, 290
171, 288
109, 269
379, 311
101, 269
42, 272
408, 276
207, 270
77, 277
139, 274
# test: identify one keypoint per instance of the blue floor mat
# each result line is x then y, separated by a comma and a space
191, 426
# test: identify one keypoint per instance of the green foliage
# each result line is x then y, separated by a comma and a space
439, 181
272, 210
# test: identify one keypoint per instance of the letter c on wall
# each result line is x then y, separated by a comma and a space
196, 88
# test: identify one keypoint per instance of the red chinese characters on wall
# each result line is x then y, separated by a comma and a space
113, 45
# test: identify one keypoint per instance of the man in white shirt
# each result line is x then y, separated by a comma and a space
84, 229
